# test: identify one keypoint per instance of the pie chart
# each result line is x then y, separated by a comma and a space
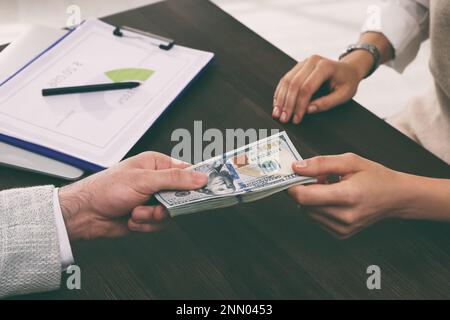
129, 74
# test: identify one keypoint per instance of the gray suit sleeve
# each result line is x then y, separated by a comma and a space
29, 248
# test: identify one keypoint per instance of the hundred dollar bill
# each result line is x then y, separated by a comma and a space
246, 174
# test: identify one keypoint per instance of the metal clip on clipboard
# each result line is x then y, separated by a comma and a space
162, 42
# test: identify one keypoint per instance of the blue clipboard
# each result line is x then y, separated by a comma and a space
65, 158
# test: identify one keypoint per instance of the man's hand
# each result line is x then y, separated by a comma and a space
112, 203
367, 192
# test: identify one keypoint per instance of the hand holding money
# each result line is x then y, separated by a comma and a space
252, 172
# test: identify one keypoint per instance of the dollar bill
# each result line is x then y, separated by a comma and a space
246, 174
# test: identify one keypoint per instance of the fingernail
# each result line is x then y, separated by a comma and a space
284, 117
276, 112
301, 164
312, 109
139, 221
296, 119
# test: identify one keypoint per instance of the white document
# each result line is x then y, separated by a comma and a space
99, 127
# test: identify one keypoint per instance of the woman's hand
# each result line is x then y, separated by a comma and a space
367, 192
294, 94
113, 202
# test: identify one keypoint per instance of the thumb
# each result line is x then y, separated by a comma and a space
329, 101
175, 179
328, 165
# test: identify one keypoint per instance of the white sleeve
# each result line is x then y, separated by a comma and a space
406, 25
64, 243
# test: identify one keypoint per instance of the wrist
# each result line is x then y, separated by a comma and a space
361, 61
411, 192
402, 196
425, 198
74, 202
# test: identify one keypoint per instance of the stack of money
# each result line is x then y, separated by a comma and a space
250, 173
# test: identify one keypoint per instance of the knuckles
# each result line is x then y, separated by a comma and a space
320, 162
351, 194
326, 65
285, 81
349, 218
315, 58
306, 88
148, 154
352, 157
294, 85
319, 61
176, 174
347, 194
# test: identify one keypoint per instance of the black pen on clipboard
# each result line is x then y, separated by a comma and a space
90, 88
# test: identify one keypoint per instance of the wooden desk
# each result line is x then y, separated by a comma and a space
268, 249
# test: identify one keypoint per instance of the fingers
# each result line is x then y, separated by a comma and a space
342, 193
149, 214
152, 181
148, 219
156, 161
112, 229
294, 92
321, 73
276, 112
321, 195
338, 96
294, 87
165, 162
326, 165
145, 227
282, 90
337, 229
345, 216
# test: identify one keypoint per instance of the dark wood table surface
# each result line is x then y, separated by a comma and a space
267, 249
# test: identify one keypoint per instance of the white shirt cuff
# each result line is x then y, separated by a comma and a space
405, 25
64, 244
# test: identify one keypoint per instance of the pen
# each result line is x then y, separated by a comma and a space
90, 88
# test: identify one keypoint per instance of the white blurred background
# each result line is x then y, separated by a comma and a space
298, 27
